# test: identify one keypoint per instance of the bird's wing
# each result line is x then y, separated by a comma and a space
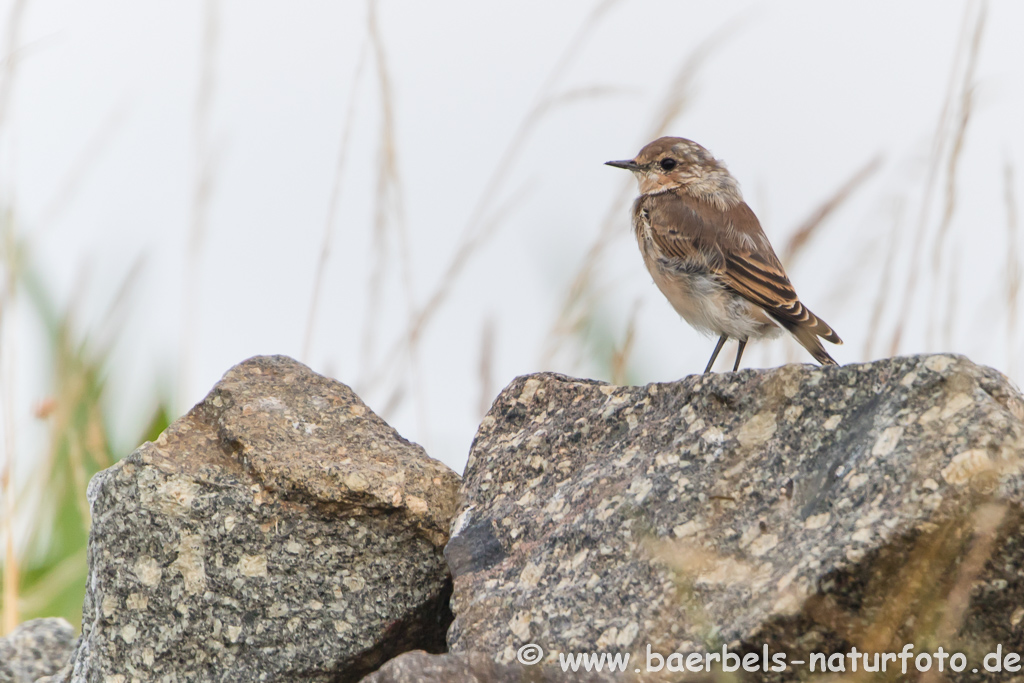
682, 233
732, 243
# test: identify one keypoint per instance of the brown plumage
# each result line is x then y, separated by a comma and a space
708, 255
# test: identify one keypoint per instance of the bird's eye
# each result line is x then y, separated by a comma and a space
668, 164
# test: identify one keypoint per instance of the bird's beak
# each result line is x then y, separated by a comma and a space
629, 164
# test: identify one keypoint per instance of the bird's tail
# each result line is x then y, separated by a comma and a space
806, 329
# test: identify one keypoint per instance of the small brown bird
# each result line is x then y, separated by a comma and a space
708, 255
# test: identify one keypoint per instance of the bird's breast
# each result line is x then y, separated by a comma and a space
697, 293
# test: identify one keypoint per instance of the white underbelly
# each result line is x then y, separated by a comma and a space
710, 307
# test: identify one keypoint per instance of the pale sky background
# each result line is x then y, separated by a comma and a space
101, 146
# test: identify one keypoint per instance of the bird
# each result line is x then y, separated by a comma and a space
707, 253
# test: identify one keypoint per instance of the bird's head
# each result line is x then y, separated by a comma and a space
669, 163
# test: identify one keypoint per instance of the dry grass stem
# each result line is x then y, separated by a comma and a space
966, 108
906, 593
884, 293
809, 227
11, 263
986, 522
58, 579
114, 318
386, 373
954, 604
332, 207
577, 307
389, 219
486, 367
578, 302
395, 399
9, 619
204, 160
14, 22
952, 301
939, 144
1013, 270
687, 563
9, 615
82, 165
621, 355
577, 95
76, 461
920, 595
483, 220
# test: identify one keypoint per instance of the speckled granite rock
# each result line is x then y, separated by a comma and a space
35, 649
279, 531
806, 508
476, 667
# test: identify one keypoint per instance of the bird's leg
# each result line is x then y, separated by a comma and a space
718, 347
739, 354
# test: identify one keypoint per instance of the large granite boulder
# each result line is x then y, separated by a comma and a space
799, 510
280, 531
35, 649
